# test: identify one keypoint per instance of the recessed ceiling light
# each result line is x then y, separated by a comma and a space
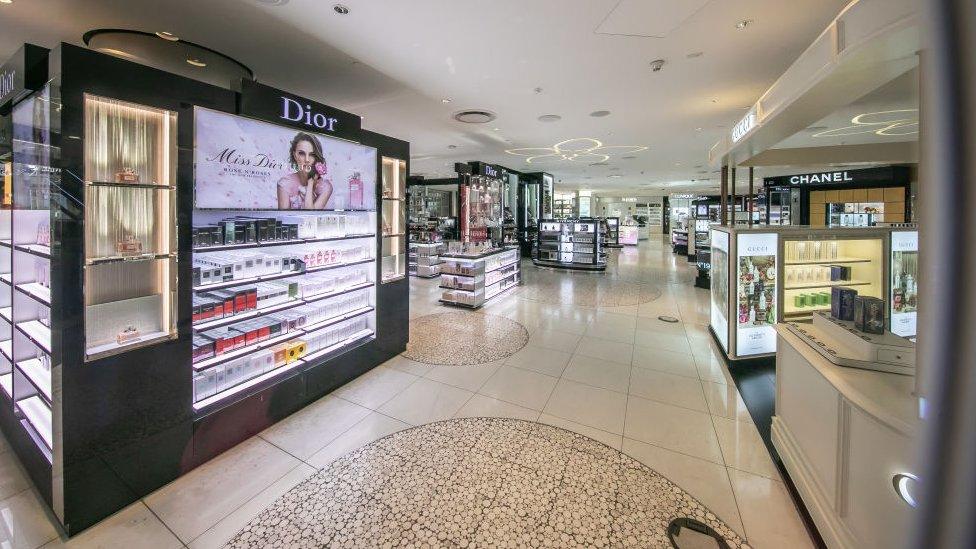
628, 157
714, 100
599, 114
743, 24
340, 9
6, 1
550, 118
196, 62
699, 129
614, 176
452, 146
695, 54
166, 35
445, 100
496, 129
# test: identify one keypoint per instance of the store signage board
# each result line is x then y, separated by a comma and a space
746, 125
25, 72
274, 105
903, 297
755, 303
246, 164
720, 287
866, 176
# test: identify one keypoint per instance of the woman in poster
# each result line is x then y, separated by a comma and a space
307, 188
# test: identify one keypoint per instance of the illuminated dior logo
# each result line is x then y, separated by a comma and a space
293, 111
7, 82
490, 171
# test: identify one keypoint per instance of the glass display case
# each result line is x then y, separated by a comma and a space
130, 226
763, 276
394, 212
613, 233
481, 209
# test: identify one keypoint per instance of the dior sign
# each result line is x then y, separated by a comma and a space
293, 111
278, 106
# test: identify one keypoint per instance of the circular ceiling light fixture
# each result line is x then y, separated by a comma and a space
165, 51
550, 118
695, 54
583, 149
474, 116
614, 176
340, 9
657, 65
743, 24
599, 114
445, 100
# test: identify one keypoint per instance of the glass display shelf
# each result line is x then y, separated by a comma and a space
38, 374
130, 226
276, 276
394, 222
39, 415
7, 383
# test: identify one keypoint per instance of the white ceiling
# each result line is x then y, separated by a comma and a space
393, 62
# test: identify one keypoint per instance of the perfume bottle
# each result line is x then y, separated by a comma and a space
355, 191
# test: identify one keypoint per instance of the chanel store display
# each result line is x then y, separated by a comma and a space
222, 259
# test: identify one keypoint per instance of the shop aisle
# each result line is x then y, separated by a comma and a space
609, 370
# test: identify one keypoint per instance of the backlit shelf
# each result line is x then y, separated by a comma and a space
829, 261
34, 249
37, 333
7, 350
128, 258
37, 292
37, 374
276, 276
105, 349
7, 313
826, 284
7, 384
312, 357
272, 243
39, 416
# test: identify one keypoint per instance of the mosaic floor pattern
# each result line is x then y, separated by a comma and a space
584, 289
464, 338
479, 482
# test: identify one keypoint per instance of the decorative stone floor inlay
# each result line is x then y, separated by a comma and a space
464, 338
479, 482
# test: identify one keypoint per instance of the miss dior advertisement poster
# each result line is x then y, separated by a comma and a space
243, 164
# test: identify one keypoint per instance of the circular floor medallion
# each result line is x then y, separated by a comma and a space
464, 338
480, 482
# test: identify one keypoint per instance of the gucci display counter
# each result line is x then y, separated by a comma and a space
847, 435
182, 267
765, 275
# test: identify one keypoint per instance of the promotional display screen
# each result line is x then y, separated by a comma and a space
720, 287
756, 294
904, 283
245, 164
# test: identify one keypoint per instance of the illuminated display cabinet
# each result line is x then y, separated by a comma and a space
762, 276
160, 303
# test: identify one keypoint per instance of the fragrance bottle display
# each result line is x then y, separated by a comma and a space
394, 263
813, 267
130, 226
757, 290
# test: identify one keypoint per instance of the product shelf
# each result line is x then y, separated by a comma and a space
803, 311
827, 284
37, 292
106, 349
34, 249
39, 416
7, 384
39, 377
233, 319
311, 357
5, 278
37, 333
274, 243
238, 389
130, 185
7, 350
829, 261
128, 258
293, 334
7, 314
276, 276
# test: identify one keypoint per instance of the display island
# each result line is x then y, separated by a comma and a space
471, 279
182, 267
570, 244
762, 276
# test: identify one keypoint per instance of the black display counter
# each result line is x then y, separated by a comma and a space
575, 244
169, 289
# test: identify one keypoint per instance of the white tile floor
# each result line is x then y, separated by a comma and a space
657, 391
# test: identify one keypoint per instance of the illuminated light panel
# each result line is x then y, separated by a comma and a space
886, 123
903, 487
583, 149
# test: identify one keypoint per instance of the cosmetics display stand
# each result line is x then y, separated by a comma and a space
535, 202
470, 280
761, 276
679, 241
150, 317
425, 259
570, 244
612, 239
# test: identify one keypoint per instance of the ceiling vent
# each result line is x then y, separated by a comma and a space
474, 116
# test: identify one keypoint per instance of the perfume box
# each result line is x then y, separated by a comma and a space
869, 314
842, 302
836, 273
202, 348
204, 384
224, 339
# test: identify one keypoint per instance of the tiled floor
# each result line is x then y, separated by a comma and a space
657, 391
